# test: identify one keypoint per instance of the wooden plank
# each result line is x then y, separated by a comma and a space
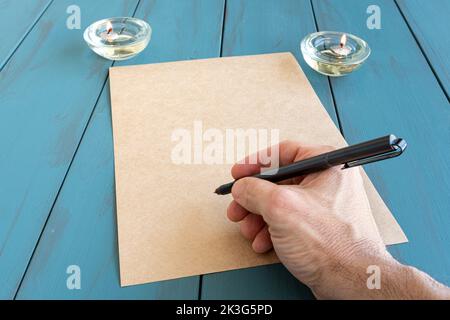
47, 91
17, 17
82, 227
253, 27
429, 21
396, 91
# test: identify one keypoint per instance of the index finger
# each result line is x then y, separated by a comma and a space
287, 152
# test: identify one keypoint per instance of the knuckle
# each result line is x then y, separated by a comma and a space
245, 229
239, 191
337, 171
328, 148
288, 142
277, 202
336, 175
349, 230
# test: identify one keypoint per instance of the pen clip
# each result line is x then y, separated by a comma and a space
397, 149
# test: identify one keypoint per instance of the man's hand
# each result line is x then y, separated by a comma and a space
320, 226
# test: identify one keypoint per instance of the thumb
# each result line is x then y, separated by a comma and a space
254, 194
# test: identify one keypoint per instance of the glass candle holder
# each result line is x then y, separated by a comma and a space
118, 38
334, 53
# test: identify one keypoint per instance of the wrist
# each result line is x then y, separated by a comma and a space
375, 274
420, 285
402, 282
360, 272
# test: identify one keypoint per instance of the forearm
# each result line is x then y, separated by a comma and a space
419, 285
403, 282
383, 278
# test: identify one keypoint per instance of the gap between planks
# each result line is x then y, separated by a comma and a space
68, 169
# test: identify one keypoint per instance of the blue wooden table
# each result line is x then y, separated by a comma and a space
56, 157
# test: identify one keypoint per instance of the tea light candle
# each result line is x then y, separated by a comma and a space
118, 38
109, 35
334, 53
342, 49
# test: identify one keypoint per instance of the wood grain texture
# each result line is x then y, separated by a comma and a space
429, 21
18, 18
253, 27
47, 92
82, 226
51, 83
396, 92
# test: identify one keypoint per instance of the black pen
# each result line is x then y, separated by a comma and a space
362, 153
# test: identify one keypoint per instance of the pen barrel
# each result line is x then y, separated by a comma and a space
330, 159
296, 169
344, 156
362, 150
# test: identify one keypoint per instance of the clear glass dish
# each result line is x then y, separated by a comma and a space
326, 52
118, 38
